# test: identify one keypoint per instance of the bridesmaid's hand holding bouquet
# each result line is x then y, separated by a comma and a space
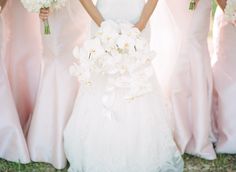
43, 15
43, 7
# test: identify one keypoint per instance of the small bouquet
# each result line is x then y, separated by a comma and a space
230, 10
119, 53
36, 5
192, 5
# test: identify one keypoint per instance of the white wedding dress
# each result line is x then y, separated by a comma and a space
107, 133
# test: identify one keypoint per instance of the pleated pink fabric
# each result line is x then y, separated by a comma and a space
225, 83
184, 71
58, 89
23, 58
12, 141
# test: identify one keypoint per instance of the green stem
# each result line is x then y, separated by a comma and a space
192, 5
46, 27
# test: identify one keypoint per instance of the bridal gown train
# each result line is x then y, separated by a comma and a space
12, 141
225, 82
184, 70
57, 91
107, 133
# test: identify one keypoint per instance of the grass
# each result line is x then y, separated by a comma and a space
6, 166
224, 163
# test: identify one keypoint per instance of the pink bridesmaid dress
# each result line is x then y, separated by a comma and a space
12, 141
23, 59
58, 89
184, 72
225, 82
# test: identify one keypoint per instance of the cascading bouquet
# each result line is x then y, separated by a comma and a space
119, 53
230, 10
36, 5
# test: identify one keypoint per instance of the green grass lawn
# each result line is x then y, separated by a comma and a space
224, 163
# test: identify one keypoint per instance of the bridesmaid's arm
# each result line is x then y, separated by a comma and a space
2, 4
92, 11
222, 4
146, 14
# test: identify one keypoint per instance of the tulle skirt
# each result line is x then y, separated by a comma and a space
107, 133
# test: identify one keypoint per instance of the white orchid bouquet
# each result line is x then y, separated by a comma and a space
230, 10
119, 53
36, 5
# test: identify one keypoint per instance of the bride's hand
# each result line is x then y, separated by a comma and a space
44, 13
140, 26
146, 14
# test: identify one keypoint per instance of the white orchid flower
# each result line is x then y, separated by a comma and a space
126, 44
94, 48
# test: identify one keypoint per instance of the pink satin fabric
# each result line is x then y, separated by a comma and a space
12, 141
185, 73
58, 89
225, 83
23, 58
